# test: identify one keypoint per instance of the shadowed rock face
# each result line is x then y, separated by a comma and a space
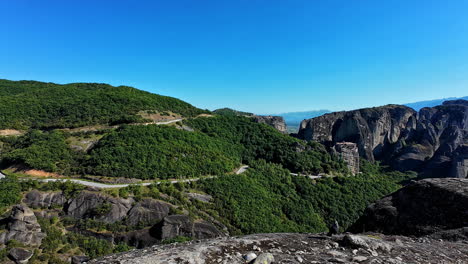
425, 207
276, 122
429, 142
23, 227
181, 225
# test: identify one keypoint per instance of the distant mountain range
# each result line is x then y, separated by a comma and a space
294, 119
431, 103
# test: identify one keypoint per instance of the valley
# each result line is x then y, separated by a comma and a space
92, 170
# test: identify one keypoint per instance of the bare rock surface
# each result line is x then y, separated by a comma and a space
299, 248
23, 227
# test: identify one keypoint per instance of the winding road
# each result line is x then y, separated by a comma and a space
110, 186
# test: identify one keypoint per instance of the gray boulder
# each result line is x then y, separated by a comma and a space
79, 259
45, 200
148, 212
23, 227
19, 255
98, 206
181, 225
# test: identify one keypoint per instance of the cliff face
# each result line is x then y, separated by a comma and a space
431, 142
276, 122
436, 207
371, 129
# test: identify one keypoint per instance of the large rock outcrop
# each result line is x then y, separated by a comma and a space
110, 209
44, 200
23, 227
429, 142
298, 248
349, 153
277, 122
181, 225
372, 129
98, 206
147, 212
424, 207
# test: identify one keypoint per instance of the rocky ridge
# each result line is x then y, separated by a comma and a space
432, 142
299, 248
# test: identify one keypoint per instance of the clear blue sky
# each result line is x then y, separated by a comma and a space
264, 56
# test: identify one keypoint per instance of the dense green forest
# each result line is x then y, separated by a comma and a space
268, 199
40, 150
260, 141
218, 145
10, 192
149, 152
25, 104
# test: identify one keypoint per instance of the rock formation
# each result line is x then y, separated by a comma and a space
19, 255
98, 206
23, 227
148, 211
425, 207
109, 209
429, 142
44, 200
349, 153
298, 248
181, 225
276, 122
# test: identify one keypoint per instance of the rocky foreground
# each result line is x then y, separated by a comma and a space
300, 248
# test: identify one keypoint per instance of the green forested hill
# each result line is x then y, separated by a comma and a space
25, 104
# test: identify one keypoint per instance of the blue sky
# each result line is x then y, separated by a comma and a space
263, 56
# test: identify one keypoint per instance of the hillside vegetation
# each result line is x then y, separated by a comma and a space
25, 104
268, 199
